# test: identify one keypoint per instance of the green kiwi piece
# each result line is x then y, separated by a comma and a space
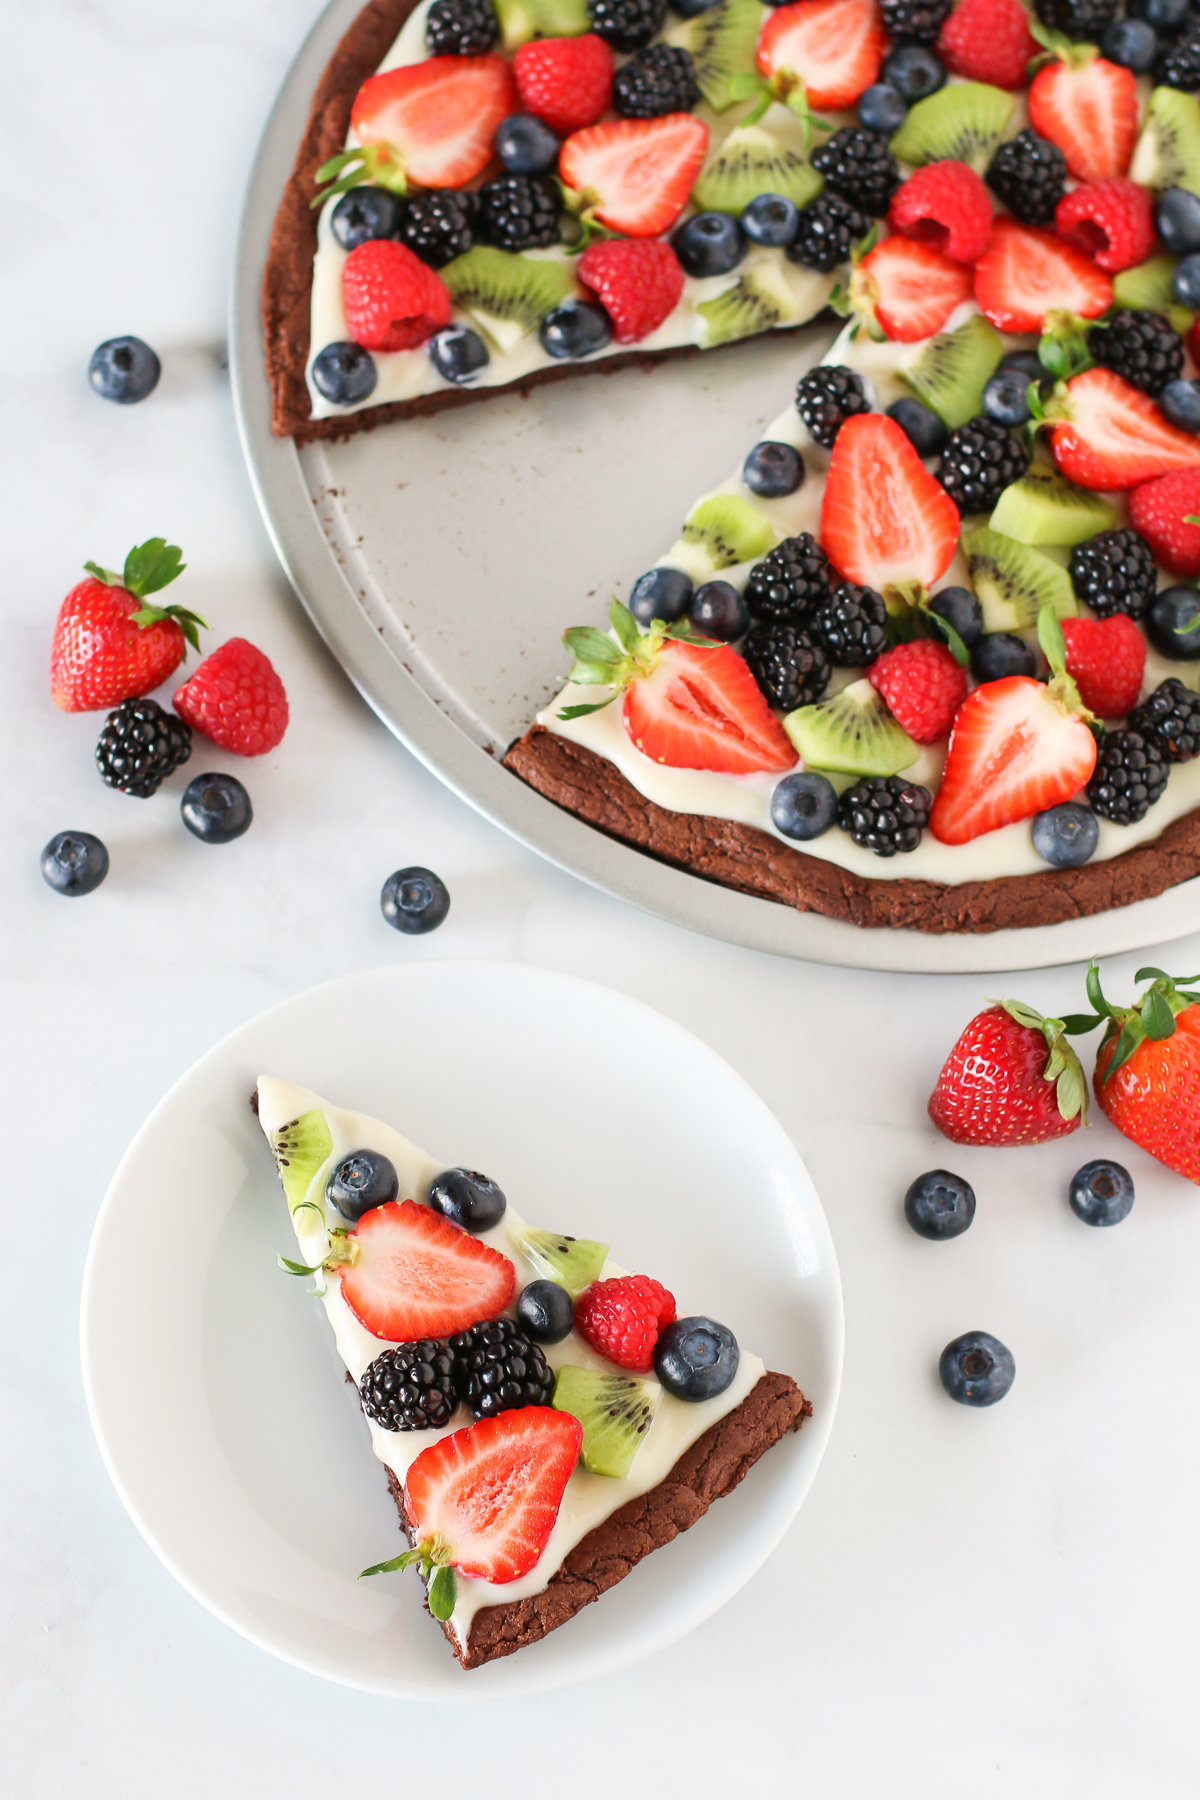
573, 1262
723, 42
508, 296
1148, 288
728, 530
301, 1149
959, 124
758, 300
1013, 583
948, 371
616, 1412
752, 162
1167, 154
521, 20
1044, 508
851, 733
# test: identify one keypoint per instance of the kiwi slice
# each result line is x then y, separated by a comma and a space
1044, 508
508, 296
1012, 582
948, 371
723, 42
615, 1411
573, 1262
752, 162
851, 733
1148, 288
959, 124
728, 530
301, 1149
1167, 153
760, 298
521, 20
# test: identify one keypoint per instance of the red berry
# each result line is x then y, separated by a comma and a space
1107, 657
112, 641
1112, 220
635, 174
236, 699
993, 1088
637, 281
622, 1317
1160, 510
393, 300
567, 82
945, 205
408, 1273
923, 686
1089, 108
988, 40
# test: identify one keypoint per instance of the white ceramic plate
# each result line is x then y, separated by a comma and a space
216, 1394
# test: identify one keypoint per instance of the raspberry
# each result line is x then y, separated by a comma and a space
923, 686
946, 206
1107, 657
638, 282
621, 1318
236, 699
1111, 220
1159, 509
393, 301
567, 82
988, 40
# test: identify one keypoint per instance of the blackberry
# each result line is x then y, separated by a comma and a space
1130, 775
828, 226
1114, 573
789, 666
885, 814
1029, 176
496, 1367
979, 462
917, 20
410, 1388
826, 398
1140, 347
1171, 717
852, 625
140, 745
1179, 65
790, 579
859, 166
460, 28
627, 24
517, 212
439, 225
1084, 20
656, 81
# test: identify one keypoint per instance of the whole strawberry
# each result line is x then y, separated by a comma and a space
236, 699
1147, 1075
622, 1317
1012, 1078
110, 644
638, 282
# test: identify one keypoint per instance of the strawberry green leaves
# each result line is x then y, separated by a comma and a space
149, 568
432, 1557
601, 662
1063, 1067
1152, 1017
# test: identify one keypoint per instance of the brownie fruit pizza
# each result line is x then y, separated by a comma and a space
545, 1419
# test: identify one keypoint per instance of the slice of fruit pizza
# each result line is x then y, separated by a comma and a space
545, 1419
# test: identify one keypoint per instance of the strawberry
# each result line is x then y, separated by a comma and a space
393, 300
1089, 108
1147, 1075
832, 49
946, 206
688, 703
236, 699
988, 40
1109, 436
1161, 510
883, 516
923, 686
1025, 274
1011, 1078
567, 82
907, 289
638, 283
622, 1317
1106, 659
408, 1273
634, 175
110, 644
1111, 221
429, 123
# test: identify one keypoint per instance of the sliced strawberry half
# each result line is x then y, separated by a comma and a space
1016, 748
703, 709
883, 516
1115, 437
408, 1273
910, 288
432, 122
1089, 108
488, 1495
833, 49
635, 175
1025, 274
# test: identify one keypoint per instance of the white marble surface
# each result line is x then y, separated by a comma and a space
1001, 1602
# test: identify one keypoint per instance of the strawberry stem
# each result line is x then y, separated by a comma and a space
376, 163
601, 662
1153, 1016
432, 1557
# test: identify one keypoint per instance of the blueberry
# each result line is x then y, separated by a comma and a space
660, 594
1165, 618
216, 808
803, 805
458, 353
1066, 836
914, 71
771, 220
1132, 44
1180, 401
712, 243
695, 1358
1164, 15
524, 145
691, 9
939, 1205
1186, 281
74, 863
1028, 361
344, 373
718, 611
1001, 653
920, 425
124, 369
1101, 1193
773, 471
414, 900
976, 1369
1006, 397
959, 607
365, 213
1177, 220
576, 328
467, 1198
545, 1312
882, 108
362, 1182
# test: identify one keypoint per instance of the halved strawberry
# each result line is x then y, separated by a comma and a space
634, 175
1114, 437
408, 1273
1017, 747
883, 516
1025, 274
430, 123
910, 288
833, 49
1089, 108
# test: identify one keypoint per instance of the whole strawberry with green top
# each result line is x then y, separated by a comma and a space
1147, 1075
110, 643
1012, 1078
